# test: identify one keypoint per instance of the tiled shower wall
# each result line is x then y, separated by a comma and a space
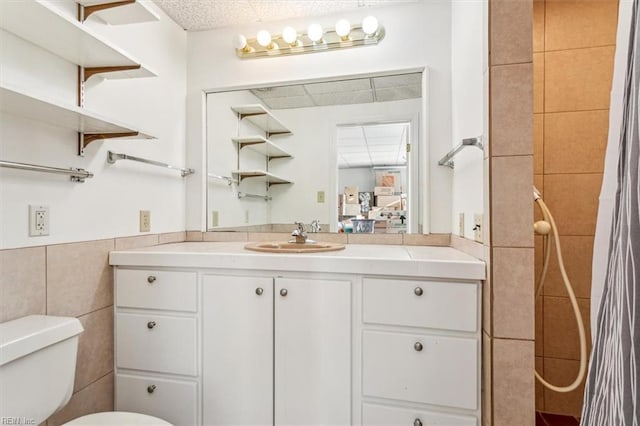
573, 44
73, 280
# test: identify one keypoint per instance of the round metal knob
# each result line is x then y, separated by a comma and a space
283, 292
151, 388
417, 422
259, 291
151, 279
151, 324
418, 291
417, 346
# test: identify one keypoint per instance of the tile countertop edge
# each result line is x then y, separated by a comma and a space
437, 262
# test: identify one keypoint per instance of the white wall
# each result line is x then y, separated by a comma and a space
107, 205
417, 35
468, 66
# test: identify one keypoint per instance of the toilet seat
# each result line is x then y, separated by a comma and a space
117, 418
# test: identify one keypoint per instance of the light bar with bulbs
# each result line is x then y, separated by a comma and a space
316, 39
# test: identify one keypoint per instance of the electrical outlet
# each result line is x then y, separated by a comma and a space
477, 227
246, 216
320, 197
38, 221
461, 225
145, 221
214, 217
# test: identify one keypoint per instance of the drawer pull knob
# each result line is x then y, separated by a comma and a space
417, 422
151, 279
151, 324
151, 388
417, 346
283, 292
259, 291
418, 291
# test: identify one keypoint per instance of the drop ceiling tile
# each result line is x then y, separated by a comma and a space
279, 91
343, 98
398, 93
341, 86
289, 102
414, 79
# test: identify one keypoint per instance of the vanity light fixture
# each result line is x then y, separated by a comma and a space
316, 39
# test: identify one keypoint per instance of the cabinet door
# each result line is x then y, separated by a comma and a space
312, 352
237, 324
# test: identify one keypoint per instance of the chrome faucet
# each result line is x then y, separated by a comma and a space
299, 233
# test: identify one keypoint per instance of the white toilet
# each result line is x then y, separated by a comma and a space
37, 372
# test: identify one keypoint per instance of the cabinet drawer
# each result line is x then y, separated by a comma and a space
156, 343
432, 304
172, 400
378, 415
172, 290
443, 371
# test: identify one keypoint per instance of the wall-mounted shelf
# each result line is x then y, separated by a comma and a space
68, 39
119, 12
260, 117
261, 145
267, 177
91, 126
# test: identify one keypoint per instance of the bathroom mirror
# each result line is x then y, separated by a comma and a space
314, 152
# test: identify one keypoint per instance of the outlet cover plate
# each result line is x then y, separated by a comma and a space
477, 227
320, 197
461, 225
38, 220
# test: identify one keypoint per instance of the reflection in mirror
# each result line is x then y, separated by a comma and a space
278, 155
372, 169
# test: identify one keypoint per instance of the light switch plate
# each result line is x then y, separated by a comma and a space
145, 221
461, 225
320, 197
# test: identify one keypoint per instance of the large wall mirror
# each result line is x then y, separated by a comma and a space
339, 155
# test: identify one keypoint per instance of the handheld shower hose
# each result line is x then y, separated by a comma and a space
544, 227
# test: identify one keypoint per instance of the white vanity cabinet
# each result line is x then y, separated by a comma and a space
212, 334
156, 344
276, 351
420, 352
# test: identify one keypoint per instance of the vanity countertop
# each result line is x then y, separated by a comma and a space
412, 261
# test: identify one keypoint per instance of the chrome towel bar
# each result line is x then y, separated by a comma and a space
447, 160
225, 178
76, 175
112, 157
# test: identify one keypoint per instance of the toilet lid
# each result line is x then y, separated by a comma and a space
117, 418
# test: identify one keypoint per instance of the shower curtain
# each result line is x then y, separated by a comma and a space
612, 395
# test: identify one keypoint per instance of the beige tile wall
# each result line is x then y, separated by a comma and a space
508, 311
574, 44
73, 280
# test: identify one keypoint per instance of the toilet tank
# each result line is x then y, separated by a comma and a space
37, 366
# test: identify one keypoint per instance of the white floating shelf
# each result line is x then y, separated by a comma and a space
132, 13
269, 178
94, 126
44, 26
260, 117
261, 145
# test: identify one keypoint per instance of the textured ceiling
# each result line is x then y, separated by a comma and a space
196, 15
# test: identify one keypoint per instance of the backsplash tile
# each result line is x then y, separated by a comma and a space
79, 277
172, 237
138, 241
95, 347
22, 282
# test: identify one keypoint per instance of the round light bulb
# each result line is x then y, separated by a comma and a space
289, 35
343, 28
264, 38
239, 41
370, 25
314, 32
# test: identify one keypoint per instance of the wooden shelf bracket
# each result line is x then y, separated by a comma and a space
84, 139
